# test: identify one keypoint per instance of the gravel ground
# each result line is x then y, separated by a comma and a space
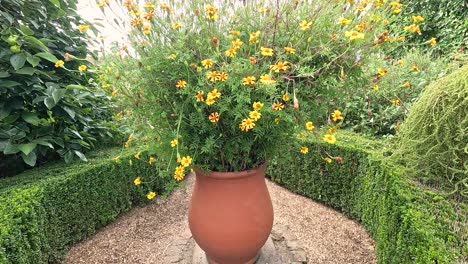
143, 234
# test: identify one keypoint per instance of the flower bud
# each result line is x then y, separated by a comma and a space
215, 41
295, 103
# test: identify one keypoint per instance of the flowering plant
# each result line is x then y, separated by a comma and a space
229, 85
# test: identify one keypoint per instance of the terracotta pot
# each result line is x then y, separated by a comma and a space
231, 215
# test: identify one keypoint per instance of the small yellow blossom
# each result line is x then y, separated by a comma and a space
179, 173
305, 25
255, 115
136, 22
254, 37
207, 63
277, 106
149, 5
151, 195
252, 60
344, 21
310, 125
413, 28
147, 29
214, 94
82, 68
181, 84
172, 56
277, 120
417, 19
222, 76
174, 143
176, 25
285, 97
235, 32
353, 35
231, 52
199, 96
209, 101
246, 124
433, 41
304, 150
415, 67
375, 87
290, 50
149, 15
328, 160
280, 66
267, 79
114, 92
116, 159
381, 71
214, 117
83, 28
236, 44
407, 84
137, 181
249, 80
330, 139
137, 156
59, 63
257, 105
212, 76
266, 51
186, 161
336, 115
396, 102
151, 160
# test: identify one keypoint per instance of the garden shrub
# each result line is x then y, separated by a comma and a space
45, 210
49, 102
433, 141
409, 224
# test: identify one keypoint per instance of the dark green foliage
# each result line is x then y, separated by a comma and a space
44, 211
409, 224
433, 141
46, 111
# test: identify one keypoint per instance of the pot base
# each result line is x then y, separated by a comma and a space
252, 261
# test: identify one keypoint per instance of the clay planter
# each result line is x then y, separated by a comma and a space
231, 215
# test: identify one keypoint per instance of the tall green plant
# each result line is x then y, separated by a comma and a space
49, 103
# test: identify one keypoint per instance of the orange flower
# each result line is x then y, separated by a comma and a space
280, 66
214, 117
222, 76
181, 84
212, 76
249, 80
199, 96
277, 106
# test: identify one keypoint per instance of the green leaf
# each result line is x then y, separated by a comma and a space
26, 31
80, 155
4, 74
17, 61
58, 95
27, 148
47, 56
10, 119
68, 157
49, 102
43, 142
34, 61
76, 86
69, 111
55, 2
10, 149
9, 84
35, 42
29, 159
7, 16
26, 71
31, 118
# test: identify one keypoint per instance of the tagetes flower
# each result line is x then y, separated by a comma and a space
433, 41
235, 32
375, 87
151, 195
330, 139
179, 173
247, 124
289, 50
249, 80
148, 15
236, 44
407, 84
172, 56
176, 25
285, 97
266, 51
255, 115
417, 19
413, 28
214, 94
257, 105
137, 181
59, 64
151, 160
207, 63
354, 35
328, 160
174, 143
304, 25
415, 67
223, 76
136, 22
82, 68
267, 79
211, 12
83, 28
252, 60
212, 76
396, 102
135, 12
344, 21
199, 96
149, 5
309, 125
214, 117
280, 66
181, 84
147, 29
277, 106
137, 156
396, 6
304, 150
381, 71
254, 37
231, 52
186, 161
336, 115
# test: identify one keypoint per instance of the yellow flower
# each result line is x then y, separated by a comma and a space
236, 44
199, 96
231, 52
148, 15
116, 159
285, 97
330, 139
305, 25
336, 115
137, 181
413, 28
149, 5
130, 162
407, 84
277, 120
185, 161
304, 150
433, 41
252, 60
135, 12
59, 63
114, 92
344, 21
255, 115
136, 22
83, 28
309, 125
214, 94
82, 68
209, 101
147, 29
290, 50
211, 12
247, 124
176, 25
277, 106
214, 117
280, 66
222, 76
212, 76
415, 67
207, 63
174, 143
181, 84
151, 160
417, 19
266, 51
353, 35
375, 87
179, 173
253, 37
172, 56
257, 105
396, 102
328, 160
137, 156
266, 79
235, 32
381, 71
249, 80
151, 195
264, 10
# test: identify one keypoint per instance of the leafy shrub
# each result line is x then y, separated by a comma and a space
408, 223
433, 141
49, 103
45, 210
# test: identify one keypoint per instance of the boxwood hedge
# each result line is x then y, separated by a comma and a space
43, 211
409, 224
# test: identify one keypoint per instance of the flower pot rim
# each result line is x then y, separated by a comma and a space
230, 175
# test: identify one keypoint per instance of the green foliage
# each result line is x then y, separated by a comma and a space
408, 223
433, 141
46, 109
44, 211
446, 20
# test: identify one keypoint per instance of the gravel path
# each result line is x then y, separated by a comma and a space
143, 234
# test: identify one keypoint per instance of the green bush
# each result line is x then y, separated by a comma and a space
433, 141
408, 223
43, 211
46, 108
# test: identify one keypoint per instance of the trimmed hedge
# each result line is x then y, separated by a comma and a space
408, 223
43, 211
